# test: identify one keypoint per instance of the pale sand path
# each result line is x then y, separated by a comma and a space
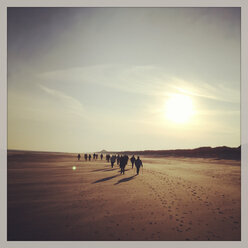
174, 199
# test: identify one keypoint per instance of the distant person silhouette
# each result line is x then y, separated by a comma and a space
89, 157
101, 156
138, 163
85, 157
118, 159
132, 160
123, 163
107, 157
126, 159
112, 160
96, 156
78, 156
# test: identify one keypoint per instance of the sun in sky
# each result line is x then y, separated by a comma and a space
179, 108
156, 86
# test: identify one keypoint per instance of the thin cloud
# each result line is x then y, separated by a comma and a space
134, 79
144, 80
205, 90
69, 102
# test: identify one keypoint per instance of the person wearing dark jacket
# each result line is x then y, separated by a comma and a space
112, 160
108, 157
138, 163
122, 164
79, 156
132, 160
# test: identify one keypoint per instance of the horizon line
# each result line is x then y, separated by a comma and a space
106, 151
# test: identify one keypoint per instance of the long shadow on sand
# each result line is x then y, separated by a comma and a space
97, 170
105, 179
125, 179
111, 169
104, 169
120, 171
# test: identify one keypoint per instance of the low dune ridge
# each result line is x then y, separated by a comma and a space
172, 199
220, 152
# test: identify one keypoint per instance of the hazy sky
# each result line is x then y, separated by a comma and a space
87, 79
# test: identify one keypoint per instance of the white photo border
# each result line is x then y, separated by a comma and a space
243, 4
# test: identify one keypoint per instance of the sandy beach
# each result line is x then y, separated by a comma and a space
172, 199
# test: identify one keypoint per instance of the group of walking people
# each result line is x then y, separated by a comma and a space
88, 156
122, 160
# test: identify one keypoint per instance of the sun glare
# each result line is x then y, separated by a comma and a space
179, 108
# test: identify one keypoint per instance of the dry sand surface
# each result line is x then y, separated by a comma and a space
173, 199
